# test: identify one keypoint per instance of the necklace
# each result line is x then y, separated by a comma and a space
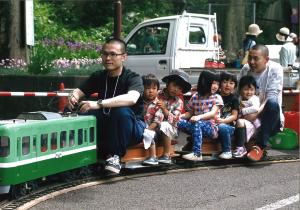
104, 109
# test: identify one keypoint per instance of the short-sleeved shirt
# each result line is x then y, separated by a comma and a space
231, 102
153, 114
201, 105
174, 105
128, 80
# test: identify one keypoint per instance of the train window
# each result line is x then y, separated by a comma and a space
53, 141
4, 146
72, 137
25, 145
92, 135
34, 143
85, 135
63, 139
44, 142
80, 136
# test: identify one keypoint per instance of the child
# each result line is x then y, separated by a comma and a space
153, 116
171, 105
204, 107
229, 113
248, 121
188, 147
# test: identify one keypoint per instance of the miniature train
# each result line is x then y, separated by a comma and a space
40, 144
37, 145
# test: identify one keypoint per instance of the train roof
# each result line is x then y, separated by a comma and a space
32, 117
39, 115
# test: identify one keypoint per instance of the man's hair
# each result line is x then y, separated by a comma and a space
263, 48
118, 41
205, 81
247, 81
228, 76
150, 79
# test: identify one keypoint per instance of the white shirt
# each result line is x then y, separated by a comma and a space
287, 54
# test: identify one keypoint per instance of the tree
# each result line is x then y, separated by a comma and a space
16, 40
234, 27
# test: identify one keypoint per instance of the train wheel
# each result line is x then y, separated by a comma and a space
84, 172
32, 186
18, 191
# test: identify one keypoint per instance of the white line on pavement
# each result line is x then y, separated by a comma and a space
281, 203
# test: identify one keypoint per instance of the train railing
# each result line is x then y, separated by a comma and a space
63, 94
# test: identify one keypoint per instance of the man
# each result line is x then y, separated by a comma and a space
269, 78
287, 53
119, 108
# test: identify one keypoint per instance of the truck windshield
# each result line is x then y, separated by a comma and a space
150, 39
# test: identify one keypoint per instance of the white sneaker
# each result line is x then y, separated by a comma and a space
225, 155
192, 156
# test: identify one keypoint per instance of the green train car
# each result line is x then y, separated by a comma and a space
40, 144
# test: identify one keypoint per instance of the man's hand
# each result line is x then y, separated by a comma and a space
85, 106
72, 101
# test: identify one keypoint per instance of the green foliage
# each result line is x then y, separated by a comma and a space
40, 61
63, 28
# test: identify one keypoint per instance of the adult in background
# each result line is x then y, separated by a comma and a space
119, 109
269, 79
287, 53
251, 35
250, 40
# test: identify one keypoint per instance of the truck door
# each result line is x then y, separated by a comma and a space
148, 49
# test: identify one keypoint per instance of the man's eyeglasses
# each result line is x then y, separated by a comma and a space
111, 54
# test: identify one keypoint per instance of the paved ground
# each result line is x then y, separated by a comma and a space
244, 187
226, 188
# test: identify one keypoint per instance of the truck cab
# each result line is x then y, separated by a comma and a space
182, 41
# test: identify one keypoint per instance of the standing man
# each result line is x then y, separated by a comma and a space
119, 108
287, 53
269, 78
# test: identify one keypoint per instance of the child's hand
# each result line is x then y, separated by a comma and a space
243, 104
219, 120
182, 116
195, 118
161, 104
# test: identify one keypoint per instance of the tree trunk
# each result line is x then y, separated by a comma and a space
234, 28
16, 46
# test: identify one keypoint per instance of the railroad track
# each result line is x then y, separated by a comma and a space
179, 166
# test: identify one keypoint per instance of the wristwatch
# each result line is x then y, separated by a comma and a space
99, 102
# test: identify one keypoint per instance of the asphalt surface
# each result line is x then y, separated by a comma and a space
227, 188
209, 188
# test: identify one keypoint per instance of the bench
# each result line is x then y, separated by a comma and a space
138, 153
213, 146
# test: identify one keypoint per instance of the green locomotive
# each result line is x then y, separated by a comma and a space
40, 144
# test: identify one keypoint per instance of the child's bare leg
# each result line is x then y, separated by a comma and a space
167, 144
152, 150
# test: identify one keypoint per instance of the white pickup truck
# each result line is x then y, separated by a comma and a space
176, 42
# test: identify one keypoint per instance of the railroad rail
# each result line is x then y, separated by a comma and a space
179, 166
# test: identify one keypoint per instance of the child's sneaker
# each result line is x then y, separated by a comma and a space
164, 159
239, 152
192, 156
113, 164
225, 155
150, 161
